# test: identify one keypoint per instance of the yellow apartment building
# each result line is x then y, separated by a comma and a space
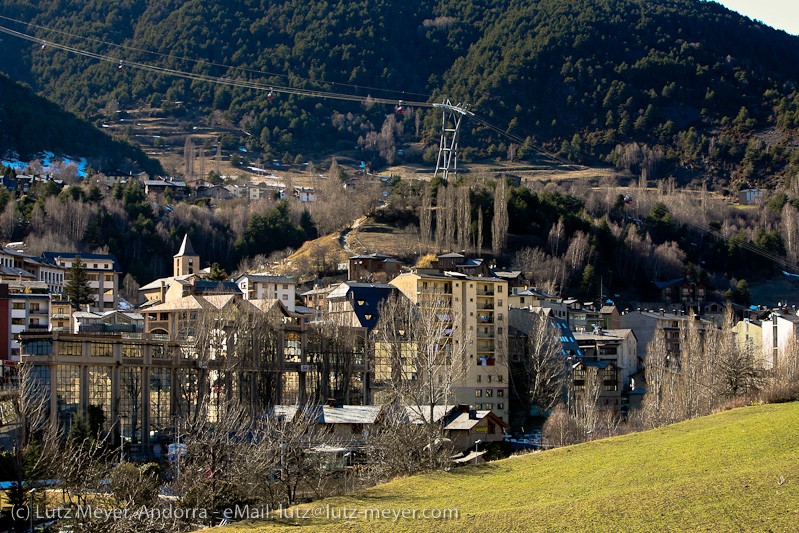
479, 312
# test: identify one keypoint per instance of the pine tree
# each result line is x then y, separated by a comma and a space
77, 288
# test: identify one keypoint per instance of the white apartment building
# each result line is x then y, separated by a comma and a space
266, 287
103, 272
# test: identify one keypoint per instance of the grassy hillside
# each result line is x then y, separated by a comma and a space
718, 473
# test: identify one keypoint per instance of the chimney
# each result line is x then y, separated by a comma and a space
463, 407
332, 402
163, 291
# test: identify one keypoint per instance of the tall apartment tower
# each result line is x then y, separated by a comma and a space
480, 305
186, 261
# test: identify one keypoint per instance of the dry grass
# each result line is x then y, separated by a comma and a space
731, 471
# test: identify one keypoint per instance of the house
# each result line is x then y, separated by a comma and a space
350, 423
463, 424
109, 322
455, 262
264, 286
467, 427
780, 330
315, 298
357, 304
646, 323
751, 196
749, 336
681, 290
373, 267
516, 278
619, 346
597, 381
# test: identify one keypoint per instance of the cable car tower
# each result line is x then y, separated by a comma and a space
448, 148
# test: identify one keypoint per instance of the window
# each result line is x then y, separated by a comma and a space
17, 321
500, 393
109, 278
158, 351
499, 302
479, 378
39, 347
500, 378
489, 393
18, 305
285, 287
489, 379
478, 393
70, 348
499, 289
500, 406
101, 349
132, 350
285, 296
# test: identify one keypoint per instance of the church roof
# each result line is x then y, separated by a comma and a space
186, 248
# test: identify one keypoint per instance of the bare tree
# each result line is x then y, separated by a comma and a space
9, 220
426, 219
420, 354
464, 218
544, 372
499, 224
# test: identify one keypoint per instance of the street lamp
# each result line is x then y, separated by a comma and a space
121, 417
30, 509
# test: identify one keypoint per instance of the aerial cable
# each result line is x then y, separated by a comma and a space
271, 88
211, 63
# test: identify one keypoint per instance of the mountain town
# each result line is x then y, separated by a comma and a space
487, 265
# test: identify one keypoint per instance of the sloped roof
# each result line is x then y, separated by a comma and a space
344, 414
156, 284
664, 284
184, 304
53, 257
16, 272
186, 247
264, 278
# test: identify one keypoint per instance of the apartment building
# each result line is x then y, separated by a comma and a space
266, 287
103, 272
778, 331
478, 309
30, 310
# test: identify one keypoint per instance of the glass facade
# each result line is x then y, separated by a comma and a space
67, 393
160, 399
98, 409
130, 403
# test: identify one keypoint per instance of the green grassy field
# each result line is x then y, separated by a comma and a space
733, 471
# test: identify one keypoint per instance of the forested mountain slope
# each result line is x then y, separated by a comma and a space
703, 92
30, 124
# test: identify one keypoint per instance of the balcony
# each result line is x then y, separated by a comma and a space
485, 318
485, 334
485, 305
485, 292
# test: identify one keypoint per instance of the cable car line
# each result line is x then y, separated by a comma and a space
272, 89
209, 63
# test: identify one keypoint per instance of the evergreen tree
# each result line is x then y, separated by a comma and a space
77, 288
217, 273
